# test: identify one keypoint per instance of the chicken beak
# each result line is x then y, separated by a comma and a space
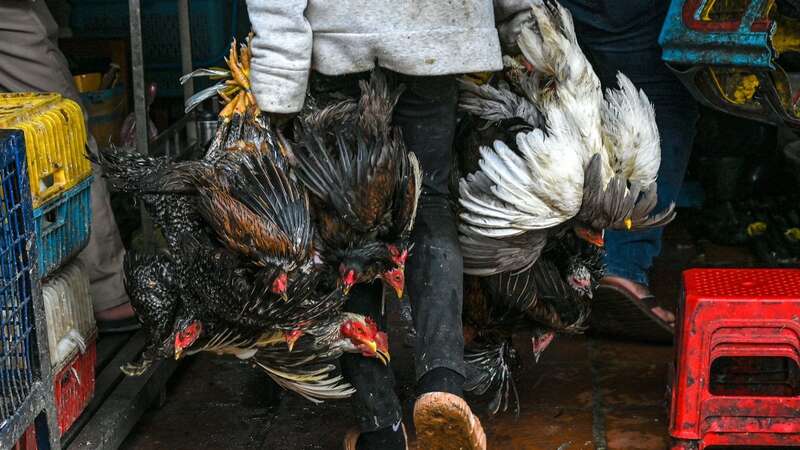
178, 353
591, 236
540, 343
628, 223
346, 288
383, 357
396, 279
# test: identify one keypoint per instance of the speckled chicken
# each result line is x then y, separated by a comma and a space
287, 335
156, 292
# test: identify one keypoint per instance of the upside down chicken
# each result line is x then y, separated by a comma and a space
550, 164
265, 238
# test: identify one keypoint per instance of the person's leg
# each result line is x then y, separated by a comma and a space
426, 114
623, 37
104, 254
31, 61
375, 403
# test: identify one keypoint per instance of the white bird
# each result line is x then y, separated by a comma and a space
589, 163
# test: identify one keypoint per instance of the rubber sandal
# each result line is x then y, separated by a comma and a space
351, 438
118, 326
444, 422
616, 312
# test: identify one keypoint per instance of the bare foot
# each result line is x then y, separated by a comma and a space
641, 291
123, 311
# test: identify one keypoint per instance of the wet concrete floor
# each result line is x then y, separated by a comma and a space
584, 393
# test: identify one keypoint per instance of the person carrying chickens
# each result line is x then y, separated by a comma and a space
30, 61
424, 44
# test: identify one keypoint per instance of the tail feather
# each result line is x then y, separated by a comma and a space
489, 370
496, 104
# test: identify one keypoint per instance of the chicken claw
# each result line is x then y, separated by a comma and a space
136, 369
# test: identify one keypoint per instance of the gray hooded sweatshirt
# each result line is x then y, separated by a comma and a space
336, 37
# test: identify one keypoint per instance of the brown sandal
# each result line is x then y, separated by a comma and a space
617, 312
445, 422
352, 435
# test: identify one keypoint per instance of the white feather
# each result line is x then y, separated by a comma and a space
630, 133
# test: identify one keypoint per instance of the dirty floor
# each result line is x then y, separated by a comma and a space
584, 393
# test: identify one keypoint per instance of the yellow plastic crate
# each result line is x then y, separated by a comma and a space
55, 140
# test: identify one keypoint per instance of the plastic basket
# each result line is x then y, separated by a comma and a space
55, 138
74, 386
17, 338
69, 313
62, 227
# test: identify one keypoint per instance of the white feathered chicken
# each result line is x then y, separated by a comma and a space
568, 162
588, 163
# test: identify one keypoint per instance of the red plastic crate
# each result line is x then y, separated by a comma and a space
28, 440
732, 322
74, 386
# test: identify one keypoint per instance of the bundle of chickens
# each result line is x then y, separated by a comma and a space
266, 237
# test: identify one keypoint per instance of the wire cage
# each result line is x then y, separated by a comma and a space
18, 358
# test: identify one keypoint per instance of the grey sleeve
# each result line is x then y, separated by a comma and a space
281, 54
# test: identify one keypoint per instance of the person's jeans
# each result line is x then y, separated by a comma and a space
426, 114
620, 36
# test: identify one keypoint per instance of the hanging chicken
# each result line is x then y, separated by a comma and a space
566, 163
295, 339
552, 296
365, 185
256, 210
242, 277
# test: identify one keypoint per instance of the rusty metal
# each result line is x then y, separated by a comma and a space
726, 52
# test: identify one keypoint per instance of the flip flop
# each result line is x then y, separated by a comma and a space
351, 438
616, 312
445, 422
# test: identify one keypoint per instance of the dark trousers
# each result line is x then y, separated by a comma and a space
426, 112
622, 36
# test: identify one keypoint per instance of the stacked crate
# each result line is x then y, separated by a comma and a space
60, 185
71, 337
59, 173
18, 371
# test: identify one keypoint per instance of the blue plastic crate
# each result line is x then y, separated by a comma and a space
213, 24
210, 28
17, 357
63, 226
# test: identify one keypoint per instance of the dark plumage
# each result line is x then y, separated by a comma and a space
155, 290
365, 185
156, 182
256, 210
552, 296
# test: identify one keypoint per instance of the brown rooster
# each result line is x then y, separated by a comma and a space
258, 212
365, 185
